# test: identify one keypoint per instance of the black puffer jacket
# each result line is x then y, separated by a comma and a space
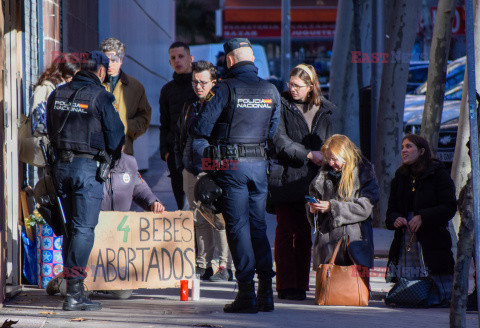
434, 199
290, 170
173, 96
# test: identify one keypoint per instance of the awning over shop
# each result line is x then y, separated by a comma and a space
249, 18
273, 30
275, 15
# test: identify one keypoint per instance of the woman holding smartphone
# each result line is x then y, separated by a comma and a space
346, 190
304, 126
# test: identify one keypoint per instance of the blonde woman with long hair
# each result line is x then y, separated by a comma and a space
346, 190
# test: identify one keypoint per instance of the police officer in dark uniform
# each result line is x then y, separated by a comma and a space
85, 131
240, 114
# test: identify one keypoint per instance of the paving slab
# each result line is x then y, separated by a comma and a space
162, 308
22, 321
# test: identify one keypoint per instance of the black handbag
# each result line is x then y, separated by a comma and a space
45, 196
419, 292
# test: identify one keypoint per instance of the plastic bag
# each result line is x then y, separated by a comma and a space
29, 258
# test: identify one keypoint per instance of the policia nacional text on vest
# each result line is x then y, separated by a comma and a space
242, 128
77, 129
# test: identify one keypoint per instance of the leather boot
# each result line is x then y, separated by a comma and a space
245, 302
265, 295
76, 299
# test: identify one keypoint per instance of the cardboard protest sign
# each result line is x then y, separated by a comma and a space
141, 250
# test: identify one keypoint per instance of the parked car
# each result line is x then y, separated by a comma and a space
448, 124
446, 140
325, 89
455, 73
210, 51
417, 75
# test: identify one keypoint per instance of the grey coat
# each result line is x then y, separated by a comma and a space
352, 216
125, 185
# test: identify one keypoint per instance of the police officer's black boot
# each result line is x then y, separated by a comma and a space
246, 301
265, 295
76, 299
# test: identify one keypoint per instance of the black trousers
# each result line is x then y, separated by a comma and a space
81, 195
176, 179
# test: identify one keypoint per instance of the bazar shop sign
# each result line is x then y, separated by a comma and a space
141, 250
273, 30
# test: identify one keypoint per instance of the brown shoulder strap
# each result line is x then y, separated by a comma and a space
345, 238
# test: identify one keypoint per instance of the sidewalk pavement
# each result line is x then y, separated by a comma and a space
163, 308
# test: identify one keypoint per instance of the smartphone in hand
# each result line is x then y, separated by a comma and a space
311, 199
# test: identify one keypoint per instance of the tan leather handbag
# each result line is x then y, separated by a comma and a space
341, 285
29, 150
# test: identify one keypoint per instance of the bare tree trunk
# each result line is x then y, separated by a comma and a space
461, 166
464, 257
362, 29
442, 32
343, 74
401, 37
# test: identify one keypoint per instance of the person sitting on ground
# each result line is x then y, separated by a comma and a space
124, 185
422, 201
346, 190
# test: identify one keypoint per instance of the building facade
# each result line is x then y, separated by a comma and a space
33, 33
312, 30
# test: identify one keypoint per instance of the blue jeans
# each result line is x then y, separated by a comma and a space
243, 206
81, 194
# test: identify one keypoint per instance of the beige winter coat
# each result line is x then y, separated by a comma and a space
133, 107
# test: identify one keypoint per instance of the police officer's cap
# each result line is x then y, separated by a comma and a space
233, 44
99, 57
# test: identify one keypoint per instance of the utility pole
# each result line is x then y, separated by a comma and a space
285, 40
378, 28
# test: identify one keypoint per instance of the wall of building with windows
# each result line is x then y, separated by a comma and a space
147, 29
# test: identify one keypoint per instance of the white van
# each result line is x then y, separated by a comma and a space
210, 51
